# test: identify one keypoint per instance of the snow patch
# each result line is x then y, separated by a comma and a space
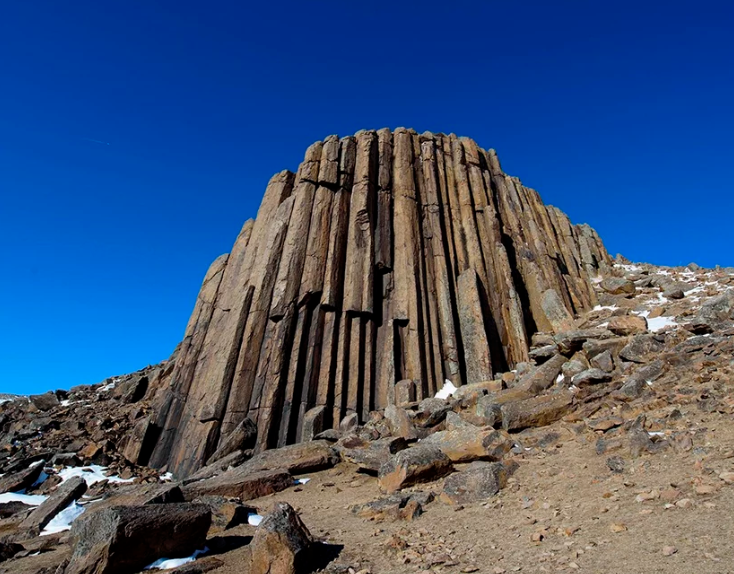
170, 563
254, 519
91, 474
167, 477
302, 480
658, 323
447, 390
62, 521
603, 307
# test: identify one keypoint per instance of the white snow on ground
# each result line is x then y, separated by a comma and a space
62, 521
91, 474
302, 480
29, 499
66, 402
254, 519
167, 477
169, 563
659, 323
602, 307
447, 390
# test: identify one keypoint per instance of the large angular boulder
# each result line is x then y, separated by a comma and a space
556, 312
281, 544
369, 455
45, 402
241, 438
536, 411
295, 458
464, 442
65, 494
479, 481
627, 325
421, 463
125, 539
641, 349
240, 482
20, 480
618, 286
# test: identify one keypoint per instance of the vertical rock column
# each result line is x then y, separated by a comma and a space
388, 256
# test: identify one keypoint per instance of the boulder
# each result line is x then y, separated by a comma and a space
281, 544
590, 377
618, 286
313, 422
295, 458
21, 480
421, 463
397, 506
125, 539
404, 392
240, 482
641, 349
464, 442
556, 312
603, 361
369, 455
65, 494
479, 481
627, 325
536, 411
9, 549
45, 402
241, 438
400, 423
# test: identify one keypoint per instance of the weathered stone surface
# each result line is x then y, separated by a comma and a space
281, 543
65, 494
590, 376
241, 438
421, 463
479, 481
400, 423
240, 482
465, 443
641, 349
295, 458
370, 455
21, 480
556, 311
627, 325
397, 506
618, 286
45, 402
125, 539
535, 411
384, 259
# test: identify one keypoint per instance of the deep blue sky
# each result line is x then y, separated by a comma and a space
138, 135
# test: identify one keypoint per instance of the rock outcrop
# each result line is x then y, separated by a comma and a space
388, 256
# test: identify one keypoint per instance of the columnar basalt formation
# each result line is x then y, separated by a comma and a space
388, 256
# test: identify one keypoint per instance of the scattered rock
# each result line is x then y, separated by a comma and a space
281, 543
421, 463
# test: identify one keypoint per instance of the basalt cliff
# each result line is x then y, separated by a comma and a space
389, 258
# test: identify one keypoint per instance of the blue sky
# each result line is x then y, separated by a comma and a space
137, 136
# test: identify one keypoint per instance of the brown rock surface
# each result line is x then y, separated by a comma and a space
388, 256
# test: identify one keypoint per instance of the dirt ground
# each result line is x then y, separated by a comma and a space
564, 510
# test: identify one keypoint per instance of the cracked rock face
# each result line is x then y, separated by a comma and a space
388, 256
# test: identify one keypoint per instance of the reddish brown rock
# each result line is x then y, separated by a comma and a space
627, 325
281, 543
421, 463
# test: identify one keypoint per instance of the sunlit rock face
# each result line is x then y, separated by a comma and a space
388, 256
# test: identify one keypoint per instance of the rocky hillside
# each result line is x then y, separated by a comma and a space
388, 256
609, 450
